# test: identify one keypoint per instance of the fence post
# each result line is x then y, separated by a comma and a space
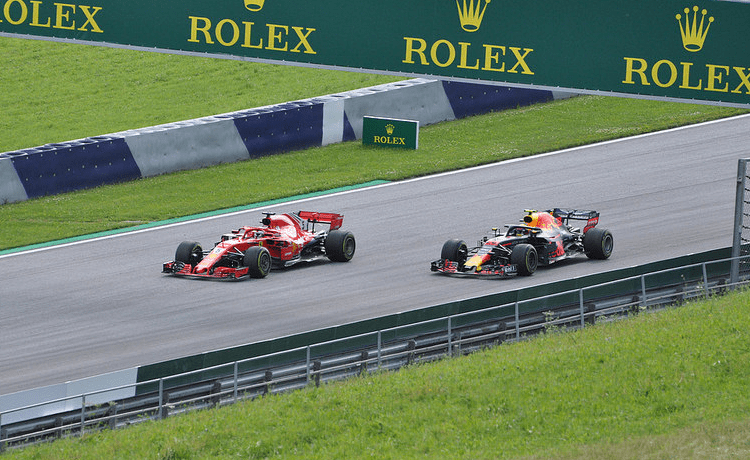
161, 399
112, 414
739, 213
83, 413
307, 365
518, 324
450, 336
643, 291
380, 339
236, 380
705, 279
580, 304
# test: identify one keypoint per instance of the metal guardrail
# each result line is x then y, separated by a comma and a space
376, 351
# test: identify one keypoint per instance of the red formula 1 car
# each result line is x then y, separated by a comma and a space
282, 240
544, 238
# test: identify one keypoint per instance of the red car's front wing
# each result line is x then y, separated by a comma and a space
228, 273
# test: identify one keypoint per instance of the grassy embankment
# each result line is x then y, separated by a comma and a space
666, 385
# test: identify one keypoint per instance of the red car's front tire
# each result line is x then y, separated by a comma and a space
189, 252
258, 261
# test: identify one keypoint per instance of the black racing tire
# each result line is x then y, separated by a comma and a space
525, 257
598, 243
340, 246
189, 252
455, 250
258, 260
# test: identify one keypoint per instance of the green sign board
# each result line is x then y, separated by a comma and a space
667, 49
390, 132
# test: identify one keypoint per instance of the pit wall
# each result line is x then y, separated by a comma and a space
85, 163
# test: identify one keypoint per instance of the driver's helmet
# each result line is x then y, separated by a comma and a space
540, 219
531, 219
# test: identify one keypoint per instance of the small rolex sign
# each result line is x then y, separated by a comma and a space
390, 132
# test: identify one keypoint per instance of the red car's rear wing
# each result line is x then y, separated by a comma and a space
335, 220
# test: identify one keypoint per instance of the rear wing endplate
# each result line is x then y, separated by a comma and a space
565, 214
333, 219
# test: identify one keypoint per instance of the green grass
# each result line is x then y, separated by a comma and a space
56, 92
672, 384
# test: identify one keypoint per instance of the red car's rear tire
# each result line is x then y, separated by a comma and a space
340, 246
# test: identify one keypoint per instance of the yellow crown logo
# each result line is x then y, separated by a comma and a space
389, 128
254, 5
693, 35
471, 14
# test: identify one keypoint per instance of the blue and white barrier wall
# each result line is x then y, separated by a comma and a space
57, 168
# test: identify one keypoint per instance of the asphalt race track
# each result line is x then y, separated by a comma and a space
93, 307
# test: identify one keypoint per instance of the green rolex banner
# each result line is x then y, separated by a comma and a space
390, 132
667, 49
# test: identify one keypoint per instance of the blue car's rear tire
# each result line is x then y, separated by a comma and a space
598, 243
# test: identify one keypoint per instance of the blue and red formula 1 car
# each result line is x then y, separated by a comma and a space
543, 238
282, 240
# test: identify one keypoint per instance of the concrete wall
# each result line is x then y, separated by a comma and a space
57, 168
